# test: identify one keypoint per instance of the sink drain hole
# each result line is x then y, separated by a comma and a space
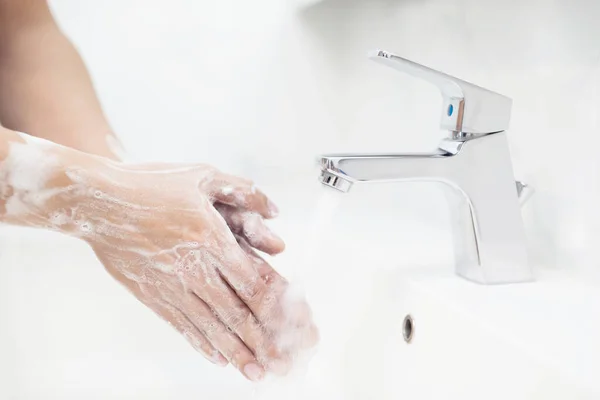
408, 327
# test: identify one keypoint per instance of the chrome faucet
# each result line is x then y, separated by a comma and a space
474, 164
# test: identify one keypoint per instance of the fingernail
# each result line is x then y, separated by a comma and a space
253, 372
221, 361
273, 210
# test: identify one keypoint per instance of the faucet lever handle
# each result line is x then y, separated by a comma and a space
467, 108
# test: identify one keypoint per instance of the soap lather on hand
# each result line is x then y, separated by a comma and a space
184, 239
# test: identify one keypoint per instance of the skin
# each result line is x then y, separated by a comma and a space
39, 65
182, 238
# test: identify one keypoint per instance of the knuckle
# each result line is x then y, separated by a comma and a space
254, 292
236, 318
210, 326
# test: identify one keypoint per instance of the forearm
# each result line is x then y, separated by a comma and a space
38, 186
50, 186
45, 88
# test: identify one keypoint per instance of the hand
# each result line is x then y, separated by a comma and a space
167, 233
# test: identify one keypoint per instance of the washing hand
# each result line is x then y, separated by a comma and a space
181, 238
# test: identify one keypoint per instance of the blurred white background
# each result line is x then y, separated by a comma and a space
261, 87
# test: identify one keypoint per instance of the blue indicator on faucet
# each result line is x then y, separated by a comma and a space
450, 110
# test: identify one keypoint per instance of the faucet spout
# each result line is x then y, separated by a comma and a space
489, 240
387, 167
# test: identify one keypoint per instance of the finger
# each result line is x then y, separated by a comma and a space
232, 264
149, 296
259, 295
263, 297
188, 330
297, 330
286, 332
298, 314
263, 268
252, 227
241, 193
238, 318
229, 344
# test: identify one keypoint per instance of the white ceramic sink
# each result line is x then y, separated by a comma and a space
69, 332
534, 341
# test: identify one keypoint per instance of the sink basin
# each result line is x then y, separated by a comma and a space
536, 340
527, 341
69, 332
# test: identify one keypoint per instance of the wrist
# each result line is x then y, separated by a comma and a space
40, 185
